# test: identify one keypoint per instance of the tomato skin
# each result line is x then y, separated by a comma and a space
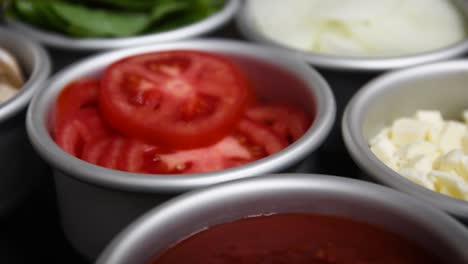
286, 120
119, 153
75, 96
83, 126
177, 99
262, 136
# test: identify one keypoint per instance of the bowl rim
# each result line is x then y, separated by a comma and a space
83, 171
131, 237
41, 68
58, 40
246, 27
360, 152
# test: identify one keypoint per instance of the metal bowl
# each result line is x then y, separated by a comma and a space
288, 193
20, 166
440, 86
246, 25
96, 202
58, 40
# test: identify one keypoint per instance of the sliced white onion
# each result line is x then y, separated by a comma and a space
360, 27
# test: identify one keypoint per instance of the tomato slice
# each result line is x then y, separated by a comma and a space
249, 142
212, 158
286, 120
119, 153
80, 128
179, 99
75, 96
261, 136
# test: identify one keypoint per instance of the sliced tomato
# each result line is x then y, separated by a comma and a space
119, 153
286, 120
249, 142
178, 99
75, 96
261, 136
212, 158
135, 156
72, 134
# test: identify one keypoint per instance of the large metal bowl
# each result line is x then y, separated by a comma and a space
96, 202
61, 41
246, 25
20, 168
181, 217
441, 86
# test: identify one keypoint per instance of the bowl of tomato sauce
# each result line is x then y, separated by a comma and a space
128, 129
291, 218
24, 67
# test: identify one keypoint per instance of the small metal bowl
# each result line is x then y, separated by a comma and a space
58, 40
95, 203
181, 217
245, 23
20, 167
441, 86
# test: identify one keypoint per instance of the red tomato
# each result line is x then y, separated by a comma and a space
178, 99
212, 158
119, 153
287, 121
75, 96
261, 136
82, 127
250, 141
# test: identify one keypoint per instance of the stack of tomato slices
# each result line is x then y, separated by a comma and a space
172, 112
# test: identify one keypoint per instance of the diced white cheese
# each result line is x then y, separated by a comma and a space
449, 184
418, 148
406, 130
464, 143
464, 168
383, 134
429, 116
416, 177
384, 150
465, 116
450, 162
421, 164
428, 151
434, 132
451, 136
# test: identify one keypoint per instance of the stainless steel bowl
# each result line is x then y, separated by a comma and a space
441, 86
96, 202
246, 25
20, 167
58, 40
300, 193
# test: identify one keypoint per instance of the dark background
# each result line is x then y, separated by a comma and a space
31, 233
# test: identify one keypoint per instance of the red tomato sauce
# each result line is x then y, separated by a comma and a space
296, 239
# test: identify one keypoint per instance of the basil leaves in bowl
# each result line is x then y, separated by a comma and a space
109, 24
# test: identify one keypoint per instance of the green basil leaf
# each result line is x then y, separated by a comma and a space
127, 5
197, 10
99, 22
97, 19
167, 7
38, 13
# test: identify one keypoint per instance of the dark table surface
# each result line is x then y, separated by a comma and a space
31, 233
